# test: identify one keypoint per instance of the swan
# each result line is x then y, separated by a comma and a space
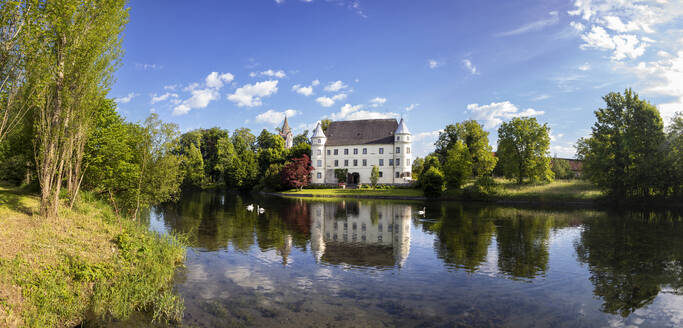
250, 207
422, 212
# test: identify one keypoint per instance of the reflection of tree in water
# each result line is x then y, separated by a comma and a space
463, 240
523, 245
631, 257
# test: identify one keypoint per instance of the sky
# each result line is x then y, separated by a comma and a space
248, 63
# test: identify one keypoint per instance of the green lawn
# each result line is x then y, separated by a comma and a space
357, 192
561, 190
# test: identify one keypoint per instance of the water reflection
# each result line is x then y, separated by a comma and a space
361, 234
377, 263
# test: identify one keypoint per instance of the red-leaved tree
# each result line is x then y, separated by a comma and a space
297, 173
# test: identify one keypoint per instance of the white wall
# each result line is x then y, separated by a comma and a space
372, 157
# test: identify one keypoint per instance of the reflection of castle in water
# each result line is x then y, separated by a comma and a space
360, 234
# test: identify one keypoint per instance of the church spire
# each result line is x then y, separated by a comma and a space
285, 126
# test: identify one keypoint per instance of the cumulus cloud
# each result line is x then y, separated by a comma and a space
200, 97
335, 86
494, 113
305, 90
329, 101
534, 26
351, 112
377, 101
411, 107
126, 99
270, 73
470, 67
433, 63
215, 80
165, 96
250, 95
273, 117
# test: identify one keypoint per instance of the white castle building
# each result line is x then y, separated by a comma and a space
360, 145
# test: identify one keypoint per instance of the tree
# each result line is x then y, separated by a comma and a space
271, 150
624, 153
374, 176
225, 158
298, 150
272, 178
193, 167
475, 139
324, 124
674, 150
72, 48
297, 173
301, 139
446, 139
243, 173
458, 165
561, 168
418, 165
430, 161
209, 149
341, 175
432, 182
523, 147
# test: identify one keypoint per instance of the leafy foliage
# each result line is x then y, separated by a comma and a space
297, 173
341, 175
432, 182
374, 176
523, 147
457, 166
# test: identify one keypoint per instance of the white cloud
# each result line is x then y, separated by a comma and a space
534, 26
623, 45
411, 107
270, 73
305, 90
165, 96
470, 67
377, 101
273, 117
428, 135
325, 101
540, 97
215, 80
126, 99
250, 95
335, 86
329, 101
577, 26
349, 112
585, 67
433, 63
171, 87
200, 99
494, 113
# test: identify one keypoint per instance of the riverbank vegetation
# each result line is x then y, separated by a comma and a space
85, 260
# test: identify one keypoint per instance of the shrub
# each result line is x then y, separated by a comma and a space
432, 182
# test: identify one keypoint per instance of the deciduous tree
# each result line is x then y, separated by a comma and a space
523, 149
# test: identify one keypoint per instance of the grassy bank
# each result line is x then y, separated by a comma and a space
506, 190
87, 262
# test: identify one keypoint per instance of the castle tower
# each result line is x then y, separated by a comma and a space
402, 152
318, 140
286, 133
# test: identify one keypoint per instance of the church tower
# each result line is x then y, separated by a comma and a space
318, 140
286, 133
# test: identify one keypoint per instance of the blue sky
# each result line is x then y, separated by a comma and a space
248, 63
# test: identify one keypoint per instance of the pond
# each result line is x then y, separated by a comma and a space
378, 263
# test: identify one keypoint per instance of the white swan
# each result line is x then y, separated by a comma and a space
250, 207
261, 210
423, 211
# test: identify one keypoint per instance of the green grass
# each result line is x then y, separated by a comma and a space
560, 190
332, 192
88, 261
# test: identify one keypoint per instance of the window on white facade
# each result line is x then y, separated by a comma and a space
320, 152
328, 152
391, 162
336, 151
355, 162
355, 151
397, 174
320, 163
365, 162
336, 163
381, 162
398, 138
398, 162
346, 162
408, 150
320, 140
320, 175
398, 150
381, 150
346, 151
407, 162
380, 174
